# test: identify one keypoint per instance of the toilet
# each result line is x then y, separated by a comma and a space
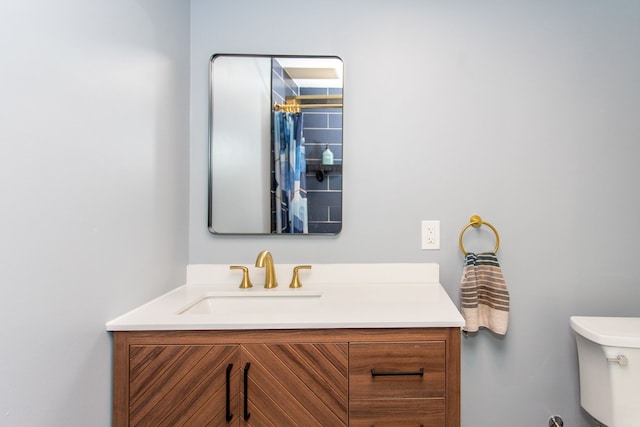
609, 363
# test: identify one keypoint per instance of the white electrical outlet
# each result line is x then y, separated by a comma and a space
430, 234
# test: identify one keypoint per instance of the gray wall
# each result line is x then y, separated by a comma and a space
522, 112
94, 130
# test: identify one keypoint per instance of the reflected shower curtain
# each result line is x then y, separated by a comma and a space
289, 167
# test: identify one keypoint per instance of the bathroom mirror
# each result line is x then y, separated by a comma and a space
272, 120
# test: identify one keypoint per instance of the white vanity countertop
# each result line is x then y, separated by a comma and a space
332, 296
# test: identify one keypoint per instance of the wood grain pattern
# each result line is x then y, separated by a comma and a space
315, 360
298, 384
267, 336
397, 412
453, 378
121, 379
171, 384
397, 357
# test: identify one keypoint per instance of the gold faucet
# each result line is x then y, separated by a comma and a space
266, 260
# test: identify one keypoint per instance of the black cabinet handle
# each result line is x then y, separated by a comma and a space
247, 414
229, 414
419, 373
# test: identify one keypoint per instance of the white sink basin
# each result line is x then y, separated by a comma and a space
215, 302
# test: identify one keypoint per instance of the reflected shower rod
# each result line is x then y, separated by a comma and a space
295, 103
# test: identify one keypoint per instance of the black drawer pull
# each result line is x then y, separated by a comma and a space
229, 414
247, 414
419, 373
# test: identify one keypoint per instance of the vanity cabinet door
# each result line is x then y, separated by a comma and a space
296, 384
183, 385
397, 383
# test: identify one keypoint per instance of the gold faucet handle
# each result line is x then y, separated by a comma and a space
295, 280
246, 282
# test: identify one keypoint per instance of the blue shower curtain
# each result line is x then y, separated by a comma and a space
289, 167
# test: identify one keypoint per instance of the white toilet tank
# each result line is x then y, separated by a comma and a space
609, 362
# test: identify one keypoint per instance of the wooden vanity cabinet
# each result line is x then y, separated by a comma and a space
315, 377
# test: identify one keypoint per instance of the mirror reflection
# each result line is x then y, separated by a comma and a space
275, 164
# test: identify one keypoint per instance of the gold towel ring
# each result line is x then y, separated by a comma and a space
476, 221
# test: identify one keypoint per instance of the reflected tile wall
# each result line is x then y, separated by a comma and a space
322, 127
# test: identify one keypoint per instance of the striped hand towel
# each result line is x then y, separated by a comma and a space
484, 294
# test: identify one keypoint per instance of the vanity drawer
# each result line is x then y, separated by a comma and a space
397, 370
396, 412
